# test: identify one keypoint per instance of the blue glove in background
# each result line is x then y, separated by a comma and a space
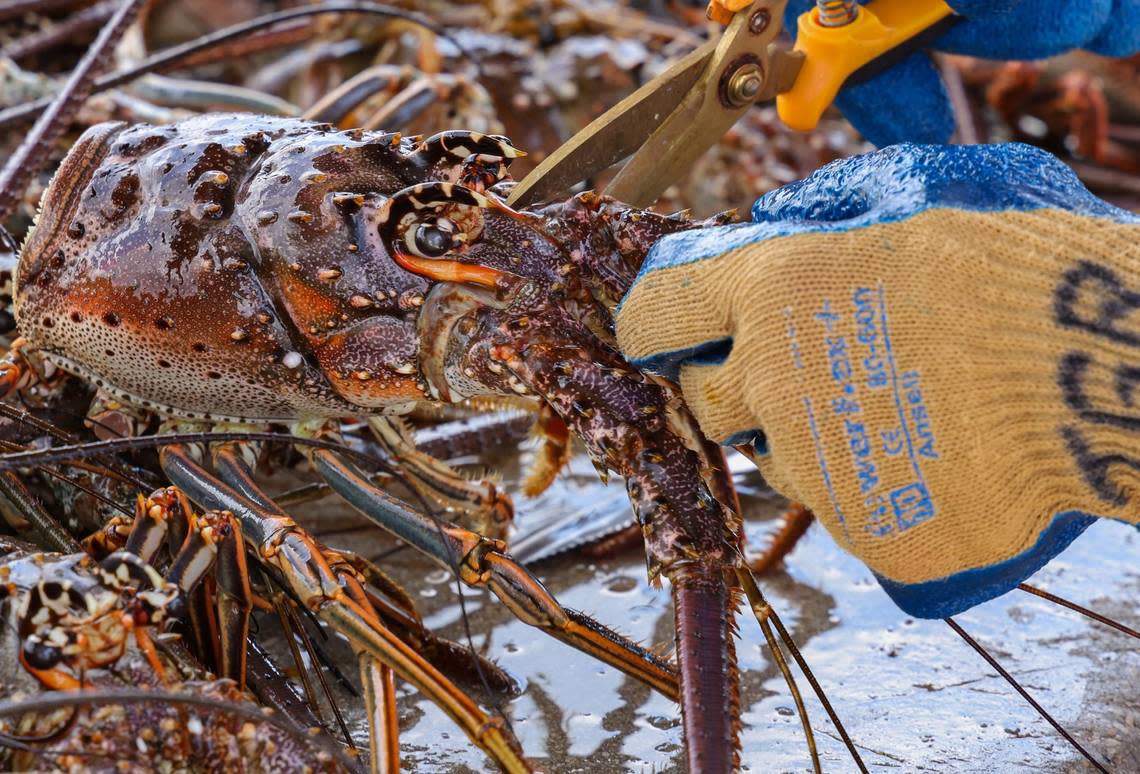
908, 102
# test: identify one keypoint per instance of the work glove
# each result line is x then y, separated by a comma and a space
908, 102
935, 348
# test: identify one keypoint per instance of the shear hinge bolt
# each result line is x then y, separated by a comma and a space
745, 84
758, 22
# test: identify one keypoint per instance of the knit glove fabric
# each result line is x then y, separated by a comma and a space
908, 102
935, 348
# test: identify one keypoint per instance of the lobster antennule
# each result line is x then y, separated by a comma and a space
462, 143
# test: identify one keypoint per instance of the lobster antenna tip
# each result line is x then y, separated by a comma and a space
1061, 601
993, 662
763, 613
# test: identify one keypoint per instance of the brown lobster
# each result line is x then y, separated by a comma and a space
83, 628
252, 270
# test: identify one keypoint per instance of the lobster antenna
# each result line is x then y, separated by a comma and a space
453, 561
21, 743
749, 582
115, 445
85, 489
11, 9
28, 158
396, 616
24, 416
59, 699
53, 533
176, 54
292, 624
6, 446
90, 18
310, 695
276, 689
105, 472
1024, 694
54, 430
24, 743
818, 689
763, 611
1078, 608
74, 483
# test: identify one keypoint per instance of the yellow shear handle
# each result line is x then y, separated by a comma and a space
832, 54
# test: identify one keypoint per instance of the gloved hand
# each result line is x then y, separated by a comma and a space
908, 102
935, 348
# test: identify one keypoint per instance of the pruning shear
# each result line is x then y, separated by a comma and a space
671, 120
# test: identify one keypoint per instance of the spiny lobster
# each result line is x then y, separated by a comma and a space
238, 269
87, 629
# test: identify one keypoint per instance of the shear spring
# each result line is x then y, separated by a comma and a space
836, 13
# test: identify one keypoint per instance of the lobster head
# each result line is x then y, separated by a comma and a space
560, 268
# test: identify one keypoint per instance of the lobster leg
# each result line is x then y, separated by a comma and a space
338, 598
404, 106
234, 604
793, 524
380, 580
552, 456
151, 524
450, 657
337, 107
234, 462
461, 144
482, 159
438, 481
379, 684
212, 539
168, 510
483, 562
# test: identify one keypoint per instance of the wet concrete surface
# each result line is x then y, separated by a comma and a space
913, 696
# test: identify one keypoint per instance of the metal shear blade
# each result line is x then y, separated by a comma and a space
670, 121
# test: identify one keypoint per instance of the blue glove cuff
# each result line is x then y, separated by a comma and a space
962, 590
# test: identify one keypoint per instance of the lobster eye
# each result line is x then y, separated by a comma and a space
40, 655
431, 240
